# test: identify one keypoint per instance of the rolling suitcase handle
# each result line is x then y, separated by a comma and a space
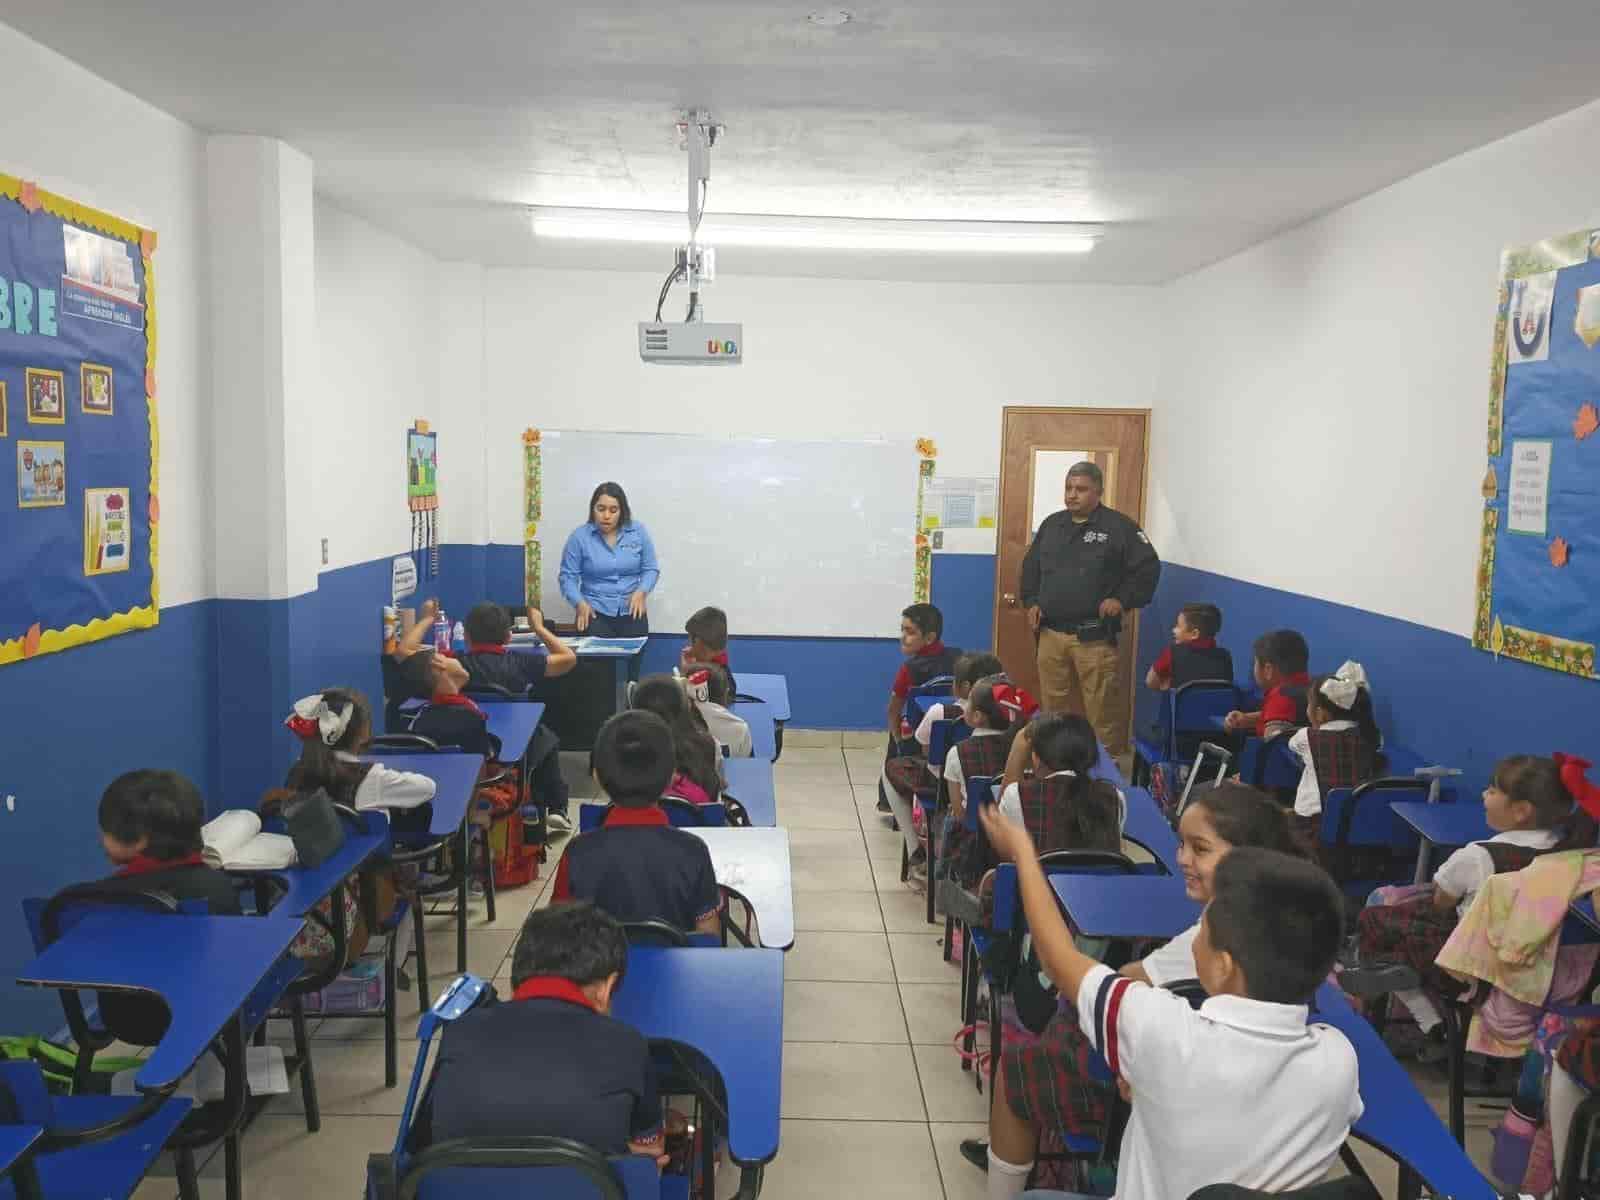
1223, 756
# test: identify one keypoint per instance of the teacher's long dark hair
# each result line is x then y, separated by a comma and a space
614, 490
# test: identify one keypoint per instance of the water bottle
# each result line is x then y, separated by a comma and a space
458, 639
441, 631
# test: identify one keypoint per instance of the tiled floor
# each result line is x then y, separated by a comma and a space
874, 1100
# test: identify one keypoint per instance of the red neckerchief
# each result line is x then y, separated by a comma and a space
932, 648
622, 814
143, 864
485, 648
456, 700
720, 658
552, 987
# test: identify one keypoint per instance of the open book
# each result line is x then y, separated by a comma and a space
234, 841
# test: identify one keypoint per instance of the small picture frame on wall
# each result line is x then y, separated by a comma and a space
41, 474
46, 397
94, 385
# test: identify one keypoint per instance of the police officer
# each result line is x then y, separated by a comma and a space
1086, 567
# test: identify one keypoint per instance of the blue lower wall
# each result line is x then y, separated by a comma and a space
1433, 692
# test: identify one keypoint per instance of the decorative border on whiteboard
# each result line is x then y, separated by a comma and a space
532, 510
922, 569
145, 616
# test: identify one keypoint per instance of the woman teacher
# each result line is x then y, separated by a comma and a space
608, 568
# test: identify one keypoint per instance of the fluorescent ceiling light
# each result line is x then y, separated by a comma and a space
816, 233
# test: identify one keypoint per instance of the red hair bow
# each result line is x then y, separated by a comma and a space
1015, 701
303, 728
1586, 794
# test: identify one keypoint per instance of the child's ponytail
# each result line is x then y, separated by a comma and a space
327, 723
1067, 742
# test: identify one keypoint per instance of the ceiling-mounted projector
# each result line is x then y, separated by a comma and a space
693, 342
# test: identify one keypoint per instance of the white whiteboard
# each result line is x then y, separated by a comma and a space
794, 539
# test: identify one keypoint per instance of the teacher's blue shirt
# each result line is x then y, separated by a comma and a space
604, 575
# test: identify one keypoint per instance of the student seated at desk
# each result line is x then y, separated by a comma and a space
636, 866
1402, 930
697, 769
926, 658
488, 662
1280, 661
1046, 1086
551, 1061
1241, 1091
709, 687
1194, 656
150, 830
708, 643
334, 728
1340, 746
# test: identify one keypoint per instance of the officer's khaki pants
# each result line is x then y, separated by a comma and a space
1081, 677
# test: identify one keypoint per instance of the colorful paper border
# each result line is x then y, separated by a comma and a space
532, 511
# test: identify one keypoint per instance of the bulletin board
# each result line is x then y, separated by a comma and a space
1539, 564
78, 446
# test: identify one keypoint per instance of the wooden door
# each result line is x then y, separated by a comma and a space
1037, 445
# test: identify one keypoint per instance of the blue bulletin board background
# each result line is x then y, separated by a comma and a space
1537, 593
56, 319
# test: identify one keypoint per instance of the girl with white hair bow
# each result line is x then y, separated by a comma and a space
1340, 747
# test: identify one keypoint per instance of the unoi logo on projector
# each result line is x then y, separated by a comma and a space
715, 347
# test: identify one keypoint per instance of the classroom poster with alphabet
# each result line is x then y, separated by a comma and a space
78, 412
1539, 556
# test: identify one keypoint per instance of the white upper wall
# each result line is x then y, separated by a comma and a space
73, 133
822, 358
1324, 395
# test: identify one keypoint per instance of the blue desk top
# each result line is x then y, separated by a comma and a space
16, 1141
1147, 825
310, 886
1445, 824
583, 647
763, 732
1126, 906
216, 963
114, 1166
727, 1004
773, 690
1397, 1120
513, 722
750, 783
454, 775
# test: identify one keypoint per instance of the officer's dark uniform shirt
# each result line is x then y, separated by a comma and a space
1070, 568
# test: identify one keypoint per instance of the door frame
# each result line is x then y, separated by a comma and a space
1000, 585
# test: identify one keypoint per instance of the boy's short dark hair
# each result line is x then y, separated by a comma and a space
928, 619
162, 807
710, 626
1284, 649
1280, 917
634, 758
975, 666
1204, 619
488, 624
574, 940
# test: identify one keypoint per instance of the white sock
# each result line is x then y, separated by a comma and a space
901, 807
1421, 1008
1006, 1179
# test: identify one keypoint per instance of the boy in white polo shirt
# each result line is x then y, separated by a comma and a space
1241, 1091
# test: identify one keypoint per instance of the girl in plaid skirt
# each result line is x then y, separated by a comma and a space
1047, 1086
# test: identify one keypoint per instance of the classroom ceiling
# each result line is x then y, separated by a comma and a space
1192, 128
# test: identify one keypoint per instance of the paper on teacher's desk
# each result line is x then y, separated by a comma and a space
234, 841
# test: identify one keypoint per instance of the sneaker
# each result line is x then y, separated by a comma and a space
1378, 980
976, 1152
557, 822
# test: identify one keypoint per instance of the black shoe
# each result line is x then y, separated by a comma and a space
883, 803
1378, 980
976, 1152
919, 857
1434, 1048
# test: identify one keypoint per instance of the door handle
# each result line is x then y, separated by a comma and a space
1010, 598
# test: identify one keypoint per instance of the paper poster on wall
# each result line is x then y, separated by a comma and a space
41, 474
1529, 506
1528, 329
959, 502
107, 531
402, 578
1586, 324
100, 283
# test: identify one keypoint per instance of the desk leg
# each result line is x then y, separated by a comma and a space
620, 672
461, 900
25, 1179
1424, 861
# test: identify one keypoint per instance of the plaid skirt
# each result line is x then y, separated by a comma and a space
907, 773
1412, 933
1049, 1082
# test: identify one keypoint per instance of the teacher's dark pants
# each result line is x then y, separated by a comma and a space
624, 626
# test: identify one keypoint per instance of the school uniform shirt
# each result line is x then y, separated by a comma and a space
1308, 795
947, 710
638, 868
452, 719
607, 576
1284, 703
1470, 867
384, 787
1071, 566
955, 773
721, 660
1174, 961
1011, 798
1194, 661
728, 730
928, 663
543, 1064
1240, 1091
488, 663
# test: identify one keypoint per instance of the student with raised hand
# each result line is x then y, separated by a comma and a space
1242, 1091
